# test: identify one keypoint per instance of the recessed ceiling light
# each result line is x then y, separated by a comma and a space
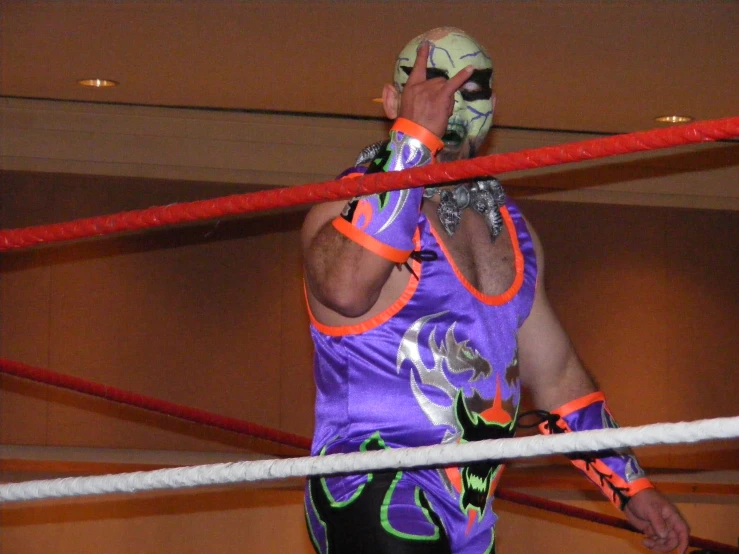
97, 83
673, 119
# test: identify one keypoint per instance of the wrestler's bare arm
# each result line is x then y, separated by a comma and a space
340, 274
552, 371
549, 365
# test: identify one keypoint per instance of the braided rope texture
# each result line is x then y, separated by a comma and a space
364, 462
69, 382
495, 164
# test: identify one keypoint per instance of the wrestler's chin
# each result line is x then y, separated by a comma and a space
454, 151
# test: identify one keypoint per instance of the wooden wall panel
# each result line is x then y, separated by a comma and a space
233, 520
297, 389
24, 324
192, 315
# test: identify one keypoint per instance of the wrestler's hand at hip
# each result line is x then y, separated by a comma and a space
430, 102
661, 522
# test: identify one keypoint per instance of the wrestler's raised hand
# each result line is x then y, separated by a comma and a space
430, 102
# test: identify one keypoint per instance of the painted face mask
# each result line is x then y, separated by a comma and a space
451, 51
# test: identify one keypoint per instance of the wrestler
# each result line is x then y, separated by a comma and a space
428, 314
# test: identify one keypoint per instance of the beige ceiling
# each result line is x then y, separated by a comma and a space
598, 66
588, 66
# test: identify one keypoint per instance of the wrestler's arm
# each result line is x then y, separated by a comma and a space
550, 367
554, 374
342, 275
339, 273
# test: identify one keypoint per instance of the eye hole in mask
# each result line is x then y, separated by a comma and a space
477, 87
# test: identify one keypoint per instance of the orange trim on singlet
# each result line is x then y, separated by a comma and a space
498, 299
369, 242
579, 403
379, 319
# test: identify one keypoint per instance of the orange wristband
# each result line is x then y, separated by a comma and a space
429, 139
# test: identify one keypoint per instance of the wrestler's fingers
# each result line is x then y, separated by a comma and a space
683, 539
675, 531
680, 530
418, 73
647, 530
669, 543
456, 82
666, 544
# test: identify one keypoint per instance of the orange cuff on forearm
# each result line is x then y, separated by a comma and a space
369, 242
616, 472
418, 132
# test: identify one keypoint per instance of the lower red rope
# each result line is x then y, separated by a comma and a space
496, 164
595, 517
76, 384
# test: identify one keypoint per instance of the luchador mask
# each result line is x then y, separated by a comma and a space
451, 51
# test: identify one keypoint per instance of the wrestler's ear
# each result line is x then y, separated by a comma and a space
391, 101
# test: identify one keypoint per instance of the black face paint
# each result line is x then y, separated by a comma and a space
431, 72
480, 77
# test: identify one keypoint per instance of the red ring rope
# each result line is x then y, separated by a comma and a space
495, 164
588, 515
76, 384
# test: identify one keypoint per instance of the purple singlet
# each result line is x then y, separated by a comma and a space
439, 365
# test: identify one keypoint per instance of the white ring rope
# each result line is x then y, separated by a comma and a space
362, 462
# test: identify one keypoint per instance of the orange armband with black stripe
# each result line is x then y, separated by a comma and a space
385, 223
616, 472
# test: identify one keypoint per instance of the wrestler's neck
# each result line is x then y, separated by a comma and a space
452, 155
